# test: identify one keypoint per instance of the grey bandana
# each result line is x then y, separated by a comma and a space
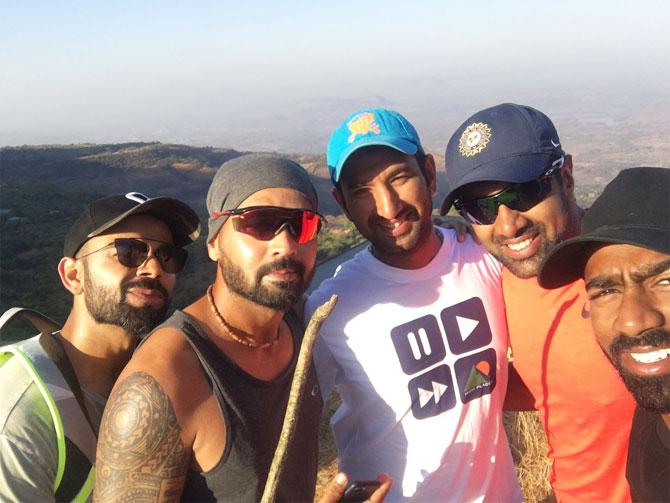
243, 176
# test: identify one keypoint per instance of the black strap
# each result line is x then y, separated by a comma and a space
77, 468
77, 465
53, 347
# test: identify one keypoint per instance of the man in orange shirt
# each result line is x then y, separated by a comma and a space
623, 254
508, 175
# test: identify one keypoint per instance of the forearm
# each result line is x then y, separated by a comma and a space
140, 453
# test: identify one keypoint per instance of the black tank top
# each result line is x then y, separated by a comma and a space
253, 412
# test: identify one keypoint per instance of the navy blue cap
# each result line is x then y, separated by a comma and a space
505, 143
634, 209
374, 126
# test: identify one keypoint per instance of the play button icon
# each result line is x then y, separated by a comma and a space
466, 326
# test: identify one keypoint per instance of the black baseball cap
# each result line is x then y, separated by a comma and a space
506, 143
633, 209
104, 213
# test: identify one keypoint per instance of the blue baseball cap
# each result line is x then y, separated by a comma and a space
505, 143
374, 126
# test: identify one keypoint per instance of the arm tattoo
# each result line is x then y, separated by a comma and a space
140, 454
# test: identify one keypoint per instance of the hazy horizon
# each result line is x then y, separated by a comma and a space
281, 75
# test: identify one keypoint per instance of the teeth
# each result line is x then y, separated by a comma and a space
652, 356
391, 225
520, 246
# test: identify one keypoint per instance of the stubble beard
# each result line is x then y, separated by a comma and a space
418, 236
530, 267
109, 306
651, 392
280, 296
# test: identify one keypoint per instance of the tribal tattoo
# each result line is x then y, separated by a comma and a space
140, 454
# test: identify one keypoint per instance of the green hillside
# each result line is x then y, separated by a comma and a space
43, 189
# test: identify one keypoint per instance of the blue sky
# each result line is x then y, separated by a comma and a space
81, 66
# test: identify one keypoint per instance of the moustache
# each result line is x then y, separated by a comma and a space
287, 264
531, 228
653, 338
147, 283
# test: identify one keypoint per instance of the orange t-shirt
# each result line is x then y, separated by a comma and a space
584, 406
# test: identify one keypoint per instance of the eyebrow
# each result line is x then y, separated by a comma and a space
644, 272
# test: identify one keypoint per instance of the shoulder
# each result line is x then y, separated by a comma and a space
28, 445
349, 275
22, 403
164, 371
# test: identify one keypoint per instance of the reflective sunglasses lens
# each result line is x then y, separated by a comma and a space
133, 253
171, 258
260, 223
264, 223
130, 252
310, 224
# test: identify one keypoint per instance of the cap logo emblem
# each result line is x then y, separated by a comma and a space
474, 139
137, 197
362, 124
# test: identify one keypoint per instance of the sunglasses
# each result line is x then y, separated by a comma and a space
265, 222
516, 196
133, 253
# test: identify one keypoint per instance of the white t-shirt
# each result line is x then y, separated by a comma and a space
419, 359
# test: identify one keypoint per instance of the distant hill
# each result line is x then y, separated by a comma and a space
44, 188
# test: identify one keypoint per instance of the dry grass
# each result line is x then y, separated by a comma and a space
527, 441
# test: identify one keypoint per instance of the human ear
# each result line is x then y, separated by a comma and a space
339, 197
71, 272
429, 172
567, 179
213, 249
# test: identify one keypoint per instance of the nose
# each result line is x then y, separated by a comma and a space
387, 202
508, 222
638, 312
151, 267
284, 243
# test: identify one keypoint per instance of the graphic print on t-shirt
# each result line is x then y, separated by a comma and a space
476, 374
466, 326
419, 345
432, 392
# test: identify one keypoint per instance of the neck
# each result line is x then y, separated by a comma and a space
416, 258
257, 325
97, 352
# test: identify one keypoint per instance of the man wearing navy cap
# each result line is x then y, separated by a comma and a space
623, 254
509, 176
417, 342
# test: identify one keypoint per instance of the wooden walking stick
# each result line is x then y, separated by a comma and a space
295, 396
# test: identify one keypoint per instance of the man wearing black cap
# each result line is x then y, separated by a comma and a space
197, 412
120, 260
508, 175
623, 255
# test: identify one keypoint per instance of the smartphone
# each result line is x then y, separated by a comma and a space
360, 490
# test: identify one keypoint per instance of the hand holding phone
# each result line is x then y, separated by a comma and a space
361, 490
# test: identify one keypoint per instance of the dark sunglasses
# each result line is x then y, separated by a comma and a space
516, 196
134, 253
265, 222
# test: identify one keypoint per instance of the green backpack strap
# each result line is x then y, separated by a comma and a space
45, 361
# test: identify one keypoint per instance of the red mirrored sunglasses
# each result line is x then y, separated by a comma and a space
265, 222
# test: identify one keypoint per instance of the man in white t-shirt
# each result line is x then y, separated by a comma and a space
417, 342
